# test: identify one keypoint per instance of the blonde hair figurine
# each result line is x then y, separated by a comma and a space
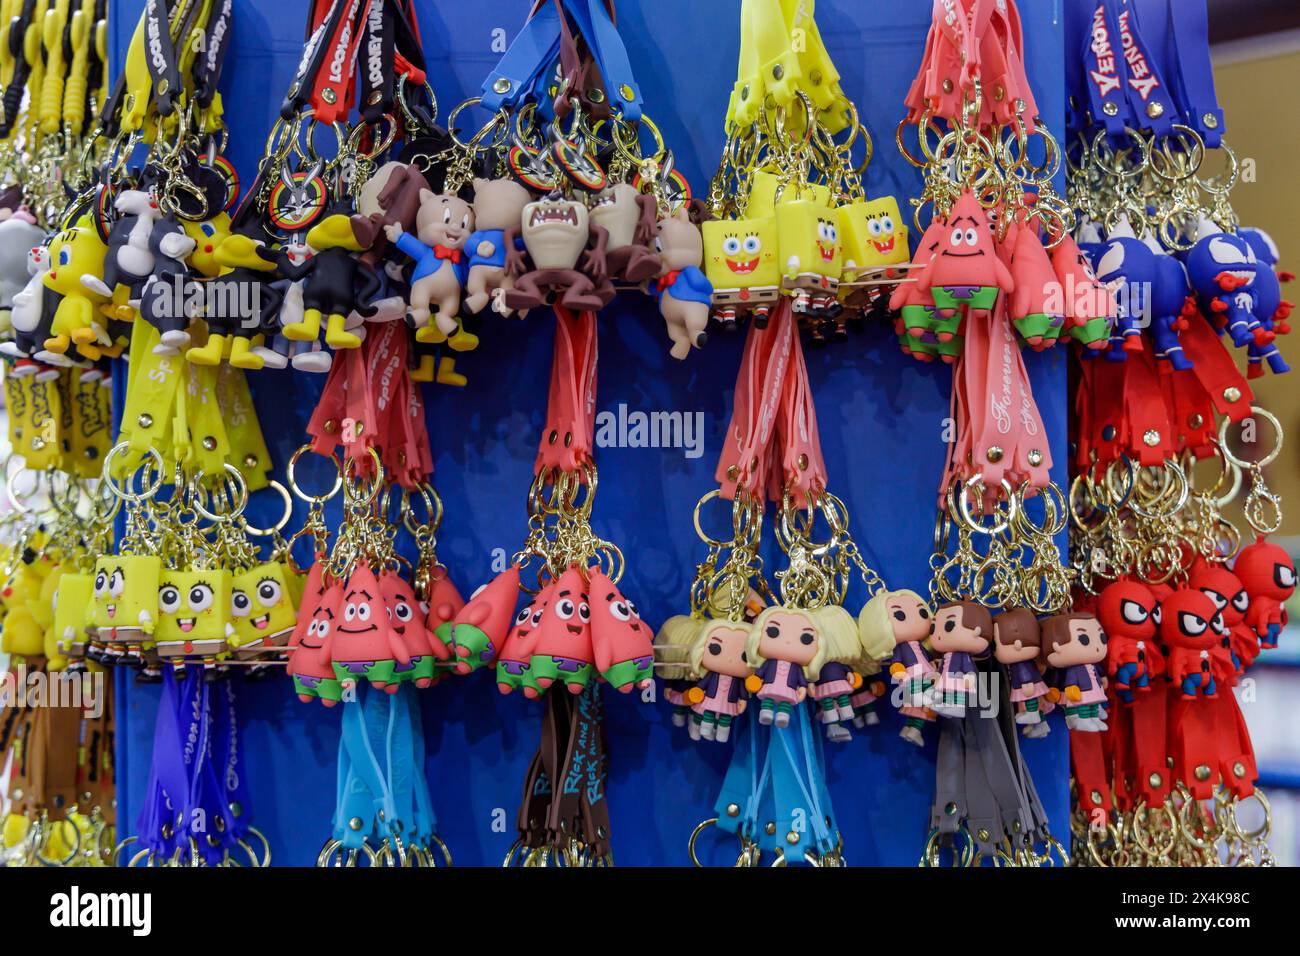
837, 680
787, 650
719, 660
893, 625
672, 655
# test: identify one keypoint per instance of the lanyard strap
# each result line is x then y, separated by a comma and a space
569, 435
1188, 66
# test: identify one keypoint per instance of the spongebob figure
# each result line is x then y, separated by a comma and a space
261, 606
740, 259
124, 605
70, 603
193, 618
810, 254
873, 234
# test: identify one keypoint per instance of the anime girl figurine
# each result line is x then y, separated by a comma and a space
719, 657
1073, 646
786, 648
962, 632
837, 681
672, 648
893, 626
1017, 645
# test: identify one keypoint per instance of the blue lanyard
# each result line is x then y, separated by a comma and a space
1187, 64
527, 67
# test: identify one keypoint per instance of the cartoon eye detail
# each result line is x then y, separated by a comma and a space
116, 584
584, 612
887, 225
958, 237
101, 584
1219, 600
200, 597
1133, 612
523, 615
972, 237
322, 628
807, 638
268, 593
565, 609
350, 612
1083, 638
875, 227
403, 612
900, 614
715, 649
1218, 625
1284, 575
659, 244
632, 607
950, 625
537, 616
619, 610
240, 605
464, 221
752, 244
730, 245
446, 216
1155, 614
1191, 624
832, 233
207, 229
65, 256
169, 599
1225, 251
1241, 601
923, 611
363, 612
773, 631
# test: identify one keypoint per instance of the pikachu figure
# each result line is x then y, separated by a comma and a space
740, 259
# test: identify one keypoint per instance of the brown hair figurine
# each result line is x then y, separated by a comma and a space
1073, 645
1016, 643
961, 632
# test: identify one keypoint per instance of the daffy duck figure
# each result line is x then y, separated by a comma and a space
246, 264
337, 283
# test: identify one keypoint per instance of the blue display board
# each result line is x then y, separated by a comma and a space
882, 429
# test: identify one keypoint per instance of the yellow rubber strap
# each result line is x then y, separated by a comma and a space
248, 451
207, 429
74, 90
91, 433
42, 445
17, 399
49, 113
150, 396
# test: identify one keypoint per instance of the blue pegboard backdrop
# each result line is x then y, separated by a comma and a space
881, 416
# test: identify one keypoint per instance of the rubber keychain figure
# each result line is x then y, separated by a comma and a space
1268, 574
1128, 614
684, 292
442, 226
1189, 629
1073, 645
836, 682
965, 271
623, 644
719, 659
498, 206
309, 665
562, 648
1016, 645
895, 625
513, 671
785, 647
961, 632
363, 643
